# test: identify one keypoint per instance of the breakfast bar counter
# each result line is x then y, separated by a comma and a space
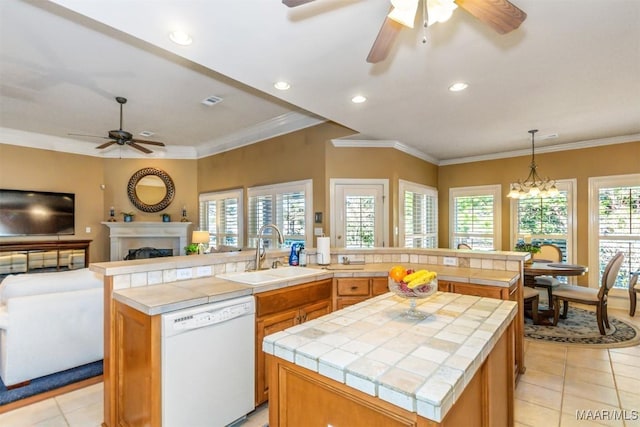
368, 364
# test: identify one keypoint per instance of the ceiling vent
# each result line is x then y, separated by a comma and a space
146, 133
211, 100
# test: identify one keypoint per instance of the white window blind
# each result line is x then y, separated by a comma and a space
360, 221
418, 215
288, 206
221, 216
475, 216
615, 202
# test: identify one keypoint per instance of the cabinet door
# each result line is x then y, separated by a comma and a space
315, 310
268, 325
480, 290
379, 285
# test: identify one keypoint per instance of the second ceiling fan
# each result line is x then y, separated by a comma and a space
501, 15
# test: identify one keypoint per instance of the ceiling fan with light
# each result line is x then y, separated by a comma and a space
501, 15
122, 137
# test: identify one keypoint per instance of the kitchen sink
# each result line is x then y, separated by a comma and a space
263, 277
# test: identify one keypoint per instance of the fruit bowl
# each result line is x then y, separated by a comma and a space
402, 290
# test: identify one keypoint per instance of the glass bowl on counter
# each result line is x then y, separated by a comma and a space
422, 291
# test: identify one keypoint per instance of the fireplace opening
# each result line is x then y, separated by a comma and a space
146, 252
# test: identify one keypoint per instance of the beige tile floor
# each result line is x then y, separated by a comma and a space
560, 382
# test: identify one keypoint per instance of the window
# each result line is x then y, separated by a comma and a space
547, 220
474, 216
288, 206
221, 216
418, 216
614, 205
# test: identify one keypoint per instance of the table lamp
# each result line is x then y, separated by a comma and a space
200, 237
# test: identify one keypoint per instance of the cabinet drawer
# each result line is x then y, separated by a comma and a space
355, 286
480, 290
291, 297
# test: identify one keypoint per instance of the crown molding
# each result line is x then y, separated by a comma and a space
280, 125
548, 149
67, 145
370, 143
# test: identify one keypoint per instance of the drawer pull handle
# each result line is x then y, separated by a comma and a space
353, 288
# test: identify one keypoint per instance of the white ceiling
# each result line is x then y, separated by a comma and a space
571, 69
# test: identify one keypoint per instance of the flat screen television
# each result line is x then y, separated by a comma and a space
36, 213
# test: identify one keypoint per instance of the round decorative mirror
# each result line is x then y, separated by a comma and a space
151, 190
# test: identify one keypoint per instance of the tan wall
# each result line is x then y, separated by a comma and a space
34, 169
309, 154
580, 164
44, 170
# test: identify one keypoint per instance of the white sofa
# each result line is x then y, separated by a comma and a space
49, 322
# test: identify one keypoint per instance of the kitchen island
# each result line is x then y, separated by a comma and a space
368, 365
142, 290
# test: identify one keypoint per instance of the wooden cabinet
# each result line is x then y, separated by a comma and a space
137, 368
486, 401
280, 309
352, 290
511, 293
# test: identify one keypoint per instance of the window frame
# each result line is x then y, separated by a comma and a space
595, 184
218, 196
404, 186
570, 186
494, 190
305, 185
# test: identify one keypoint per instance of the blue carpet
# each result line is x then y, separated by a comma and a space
50, 382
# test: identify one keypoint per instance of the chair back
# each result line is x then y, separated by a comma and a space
463, 246
610, 274
549, 252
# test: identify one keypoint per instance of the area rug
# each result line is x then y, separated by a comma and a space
580, 327
50, 382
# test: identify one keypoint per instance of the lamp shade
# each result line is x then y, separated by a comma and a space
200, 237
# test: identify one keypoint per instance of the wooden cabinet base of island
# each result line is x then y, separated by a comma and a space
300, 397
280, 309
511, 293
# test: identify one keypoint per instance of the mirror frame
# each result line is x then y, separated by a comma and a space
162, 204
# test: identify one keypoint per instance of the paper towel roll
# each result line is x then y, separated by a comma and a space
323, 251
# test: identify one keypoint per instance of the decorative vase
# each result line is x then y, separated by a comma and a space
166, 218
412, 295
128, 218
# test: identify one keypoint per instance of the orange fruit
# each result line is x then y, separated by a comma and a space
397, 273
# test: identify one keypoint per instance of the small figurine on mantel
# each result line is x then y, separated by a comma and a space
112, 215
184, 214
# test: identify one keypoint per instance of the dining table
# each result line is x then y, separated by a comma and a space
541, 267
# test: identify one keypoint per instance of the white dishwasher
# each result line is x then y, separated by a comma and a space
208, 366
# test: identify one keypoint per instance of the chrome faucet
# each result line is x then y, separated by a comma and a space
260, 252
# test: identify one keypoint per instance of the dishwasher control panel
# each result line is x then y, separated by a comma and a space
206, 315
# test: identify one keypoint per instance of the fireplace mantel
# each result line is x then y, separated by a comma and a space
133, 235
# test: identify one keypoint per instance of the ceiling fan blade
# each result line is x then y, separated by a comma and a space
501, 15
106, 144
384, 41
139, 147
141, 141
90, 136
294, 3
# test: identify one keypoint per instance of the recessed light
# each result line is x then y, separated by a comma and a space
457, 87
146, 133
358, 99
181, 38
281, 85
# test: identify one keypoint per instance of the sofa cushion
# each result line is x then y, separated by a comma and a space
18, 285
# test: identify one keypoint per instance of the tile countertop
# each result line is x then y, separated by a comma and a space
421, 366
163, 298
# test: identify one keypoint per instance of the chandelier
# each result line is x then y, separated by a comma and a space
533, 185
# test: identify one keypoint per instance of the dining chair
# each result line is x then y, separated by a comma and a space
463, 246
589, 296
634, 289
531, 296
552, 253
